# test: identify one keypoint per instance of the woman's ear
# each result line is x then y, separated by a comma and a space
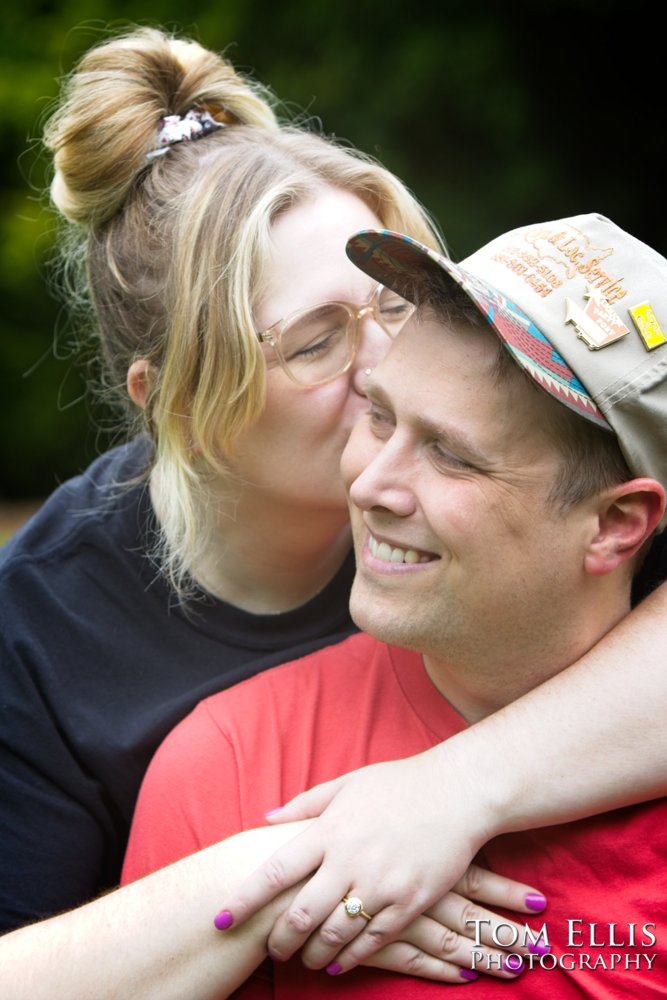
628, 514
139, 382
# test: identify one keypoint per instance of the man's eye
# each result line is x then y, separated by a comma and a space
379, 418
444, 457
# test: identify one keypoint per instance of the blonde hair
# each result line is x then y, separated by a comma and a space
169, 251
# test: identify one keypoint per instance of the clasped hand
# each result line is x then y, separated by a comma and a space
381, 835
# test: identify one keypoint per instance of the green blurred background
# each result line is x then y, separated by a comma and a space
495, 114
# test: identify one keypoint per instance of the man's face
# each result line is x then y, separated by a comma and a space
449, 471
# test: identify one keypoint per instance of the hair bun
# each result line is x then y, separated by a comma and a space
111, 107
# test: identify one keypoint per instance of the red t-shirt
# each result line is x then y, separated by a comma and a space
254, 746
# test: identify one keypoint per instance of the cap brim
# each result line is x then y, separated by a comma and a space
397, 261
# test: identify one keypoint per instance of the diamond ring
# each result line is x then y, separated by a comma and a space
354, 907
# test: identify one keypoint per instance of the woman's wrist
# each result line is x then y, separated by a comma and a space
483, 773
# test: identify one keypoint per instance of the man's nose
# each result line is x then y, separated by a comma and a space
384, 483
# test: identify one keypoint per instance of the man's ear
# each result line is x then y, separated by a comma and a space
628, 514
139, 382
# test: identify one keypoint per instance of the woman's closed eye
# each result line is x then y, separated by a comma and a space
393, 310
315, 347
312, 343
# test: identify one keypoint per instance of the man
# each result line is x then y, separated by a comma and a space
503, 484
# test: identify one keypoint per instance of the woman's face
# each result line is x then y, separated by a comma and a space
292, 454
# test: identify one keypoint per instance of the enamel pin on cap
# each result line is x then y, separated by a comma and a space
647, 324
597, 325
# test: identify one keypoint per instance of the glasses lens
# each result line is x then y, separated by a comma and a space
392, 311
318, 345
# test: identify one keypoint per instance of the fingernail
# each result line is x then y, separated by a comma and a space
334, 968
513, 964
274, 957
535, 901
538, 949
272, 812
468, 974
223, 920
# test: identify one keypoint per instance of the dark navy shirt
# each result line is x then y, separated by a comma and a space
97, 663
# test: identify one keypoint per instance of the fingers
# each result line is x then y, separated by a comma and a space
408, 960
485, 928
339, 929
285, 868
307, 804
496, 890
317, 916
454, 930
434, 952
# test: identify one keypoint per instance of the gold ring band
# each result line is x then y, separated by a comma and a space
354, 907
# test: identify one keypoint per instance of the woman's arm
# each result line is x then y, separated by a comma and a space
589, 740
154, 939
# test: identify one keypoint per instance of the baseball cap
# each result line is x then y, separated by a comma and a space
581, 306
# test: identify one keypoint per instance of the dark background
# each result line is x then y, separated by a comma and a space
496, 114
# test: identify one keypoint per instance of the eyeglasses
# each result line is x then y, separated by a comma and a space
317, 345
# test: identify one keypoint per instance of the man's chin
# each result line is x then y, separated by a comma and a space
373, 617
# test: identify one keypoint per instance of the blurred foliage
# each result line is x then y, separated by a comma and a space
495, 115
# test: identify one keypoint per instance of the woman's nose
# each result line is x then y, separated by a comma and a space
373, 345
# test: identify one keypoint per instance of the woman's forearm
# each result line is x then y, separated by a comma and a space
151, 940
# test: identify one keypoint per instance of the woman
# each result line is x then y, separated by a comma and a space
215, 544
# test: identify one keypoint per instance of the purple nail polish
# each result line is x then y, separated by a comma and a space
535, 901
468, 974
272, 812
538, 949
513, 964
334, 968
224, 920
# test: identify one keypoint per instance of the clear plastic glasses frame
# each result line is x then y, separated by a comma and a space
317, 345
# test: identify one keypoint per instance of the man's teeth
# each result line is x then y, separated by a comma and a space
385, 552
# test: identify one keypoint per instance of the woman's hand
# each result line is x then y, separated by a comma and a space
389, 835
